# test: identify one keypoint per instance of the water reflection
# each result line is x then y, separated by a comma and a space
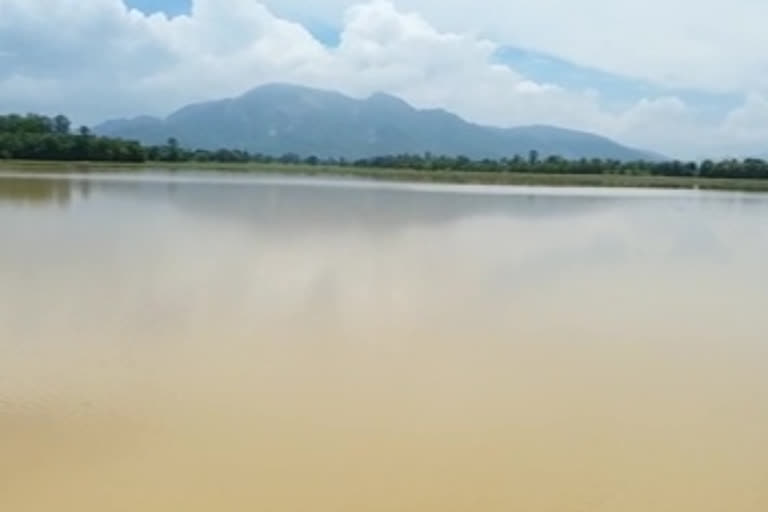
168, 344
41, 192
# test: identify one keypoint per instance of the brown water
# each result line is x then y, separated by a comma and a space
238, 344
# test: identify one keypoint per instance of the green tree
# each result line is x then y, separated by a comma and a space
61, 125
173, 149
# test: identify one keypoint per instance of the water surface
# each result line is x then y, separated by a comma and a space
202, 343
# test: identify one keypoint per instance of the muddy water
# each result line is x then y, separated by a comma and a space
202, 344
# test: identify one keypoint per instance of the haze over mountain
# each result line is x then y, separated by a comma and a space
279, 118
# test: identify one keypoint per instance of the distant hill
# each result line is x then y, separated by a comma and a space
278, 118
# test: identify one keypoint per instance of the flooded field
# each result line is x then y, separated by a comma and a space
202, 343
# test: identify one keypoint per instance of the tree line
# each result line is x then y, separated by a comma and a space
749, 168
36, 137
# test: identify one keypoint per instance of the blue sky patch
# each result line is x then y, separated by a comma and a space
170, 7
615, 91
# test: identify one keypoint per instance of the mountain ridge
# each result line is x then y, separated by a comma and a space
281, 118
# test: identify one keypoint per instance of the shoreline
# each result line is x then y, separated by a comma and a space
401, 175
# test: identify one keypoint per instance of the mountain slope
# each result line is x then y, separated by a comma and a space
278, 118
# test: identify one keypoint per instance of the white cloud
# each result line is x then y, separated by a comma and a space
98, 59
750, 121
709, 44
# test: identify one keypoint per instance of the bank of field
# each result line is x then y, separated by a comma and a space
412, 175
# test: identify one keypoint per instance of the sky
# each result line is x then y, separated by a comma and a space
687, 78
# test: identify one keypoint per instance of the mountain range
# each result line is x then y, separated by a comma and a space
276, 119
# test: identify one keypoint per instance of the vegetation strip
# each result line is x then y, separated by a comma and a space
37, 142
